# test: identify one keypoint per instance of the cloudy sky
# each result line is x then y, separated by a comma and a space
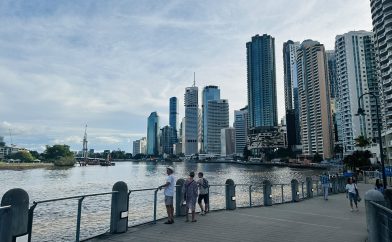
110, 63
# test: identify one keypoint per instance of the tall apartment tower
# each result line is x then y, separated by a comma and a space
209, 93
241, 129
191, 124
153, 134
139, 146
356, 75
217, 119
291, 93
314, 98
173, 117
167, 139
261, 81
227, 141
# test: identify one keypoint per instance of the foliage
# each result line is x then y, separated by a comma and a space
57, 151
139, 156
358, 158
338, 149
117, 154
35, 154
317, 158
361, 141
23, 156
2, 144
65, 161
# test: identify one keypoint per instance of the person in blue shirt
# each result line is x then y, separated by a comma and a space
324, 179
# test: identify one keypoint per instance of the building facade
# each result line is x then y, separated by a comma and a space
241, 130
356, 75
173, 115
168, 139
314, 99
291, 93
227, 141
261, 81
139, 146
191, 140
153, 134
217, 119
209, 93
264, 139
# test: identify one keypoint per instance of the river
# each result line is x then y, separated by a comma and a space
56, 221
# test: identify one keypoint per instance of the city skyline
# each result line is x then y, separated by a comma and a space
99, 64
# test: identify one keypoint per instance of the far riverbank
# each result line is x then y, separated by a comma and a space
24, 166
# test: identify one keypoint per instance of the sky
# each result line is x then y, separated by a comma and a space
109, 64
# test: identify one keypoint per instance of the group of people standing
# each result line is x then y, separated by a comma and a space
193, 191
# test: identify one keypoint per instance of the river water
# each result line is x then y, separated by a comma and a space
56, 221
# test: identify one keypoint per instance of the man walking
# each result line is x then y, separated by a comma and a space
203, 193
325, 185
169, 193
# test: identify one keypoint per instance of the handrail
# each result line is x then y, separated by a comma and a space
74, 197
142, 190
5, 207
381, 207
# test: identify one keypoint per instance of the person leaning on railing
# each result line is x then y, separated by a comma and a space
169, 193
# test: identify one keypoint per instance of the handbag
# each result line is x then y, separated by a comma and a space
358, 197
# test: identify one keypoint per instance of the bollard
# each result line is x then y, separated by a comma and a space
180, 207
267, 193
119, 211
388, 198
18, 199
334, 184
5, 224
230, 195
371, 214
294, 191
309, 187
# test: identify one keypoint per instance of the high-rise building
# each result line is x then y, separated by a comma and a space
217, 119
313, 90
356, 75
261, 81
331, 60
153, 134
191, 123
227, 141
209, 93
381, 14
173, 117
168, 134
291, 93
139, 146
241, 129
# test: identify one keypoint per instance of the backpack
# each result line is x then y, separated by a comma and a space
205, 183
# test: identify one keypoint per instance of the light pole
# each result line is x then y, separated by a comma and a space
362, 112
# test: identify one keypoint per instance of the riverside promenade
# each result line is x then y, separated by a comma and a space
308, 220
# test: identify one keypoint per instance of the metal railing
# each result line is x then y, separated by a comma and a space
383, 222
155, 199
79, 213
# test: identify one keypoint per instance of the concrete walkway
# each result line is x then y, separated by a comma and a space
309, 220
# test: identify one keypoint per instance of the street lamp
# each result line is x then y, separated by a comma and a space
361, 111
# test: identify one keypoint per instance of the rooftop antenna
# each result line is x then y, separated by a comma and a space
85, 154
12, 143
194, 79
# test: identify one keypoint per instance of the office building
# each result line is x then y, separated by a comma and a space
173, 117
191, 123
153, 134
241, 130
168, 139
227, 141
139, 146
217, 119
209, 93
314, 99
356, 75
261, 80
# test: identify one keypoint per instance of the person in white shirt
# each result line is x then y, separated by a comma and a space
351, 193
169, 193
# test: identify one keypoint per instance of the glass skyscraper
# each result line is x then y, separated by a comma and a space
209, 93
152, 134
261, 82
191, 121
173, 118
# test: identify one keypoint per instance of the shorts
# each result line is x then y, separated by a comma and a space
168, 200
204, 197
352, 196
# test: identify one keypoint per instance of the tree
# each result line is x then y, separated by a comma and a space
246, 153
358, 158
2, 144
362, 142
35, 154
57, 151
23, 156
317, 158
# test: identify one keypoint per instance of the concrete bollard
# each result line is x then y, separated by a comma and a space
5, 224
294, 191
309, 187
180, 207
388, 198
267, 193
230, 195
371, 214
119, 211
334, 185
18, 199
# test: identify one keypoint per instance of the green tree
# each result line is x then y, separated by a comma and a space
23, 156
362, 142
317, 158
57, 151
358, 158
35, 154
2, 144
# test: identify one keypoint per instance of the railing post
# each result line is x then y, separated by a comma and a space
155, 205
230, 195
309, 187
30, 223
282, 193
250, 195
267, 193
294, 191
317, 188
119, 208
5, 224
180, 208
80, 200
372, 218
302, 189
334, 185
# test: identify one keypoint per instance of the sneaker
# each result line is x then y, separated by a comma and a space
202, 213
351, 210
168, 222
